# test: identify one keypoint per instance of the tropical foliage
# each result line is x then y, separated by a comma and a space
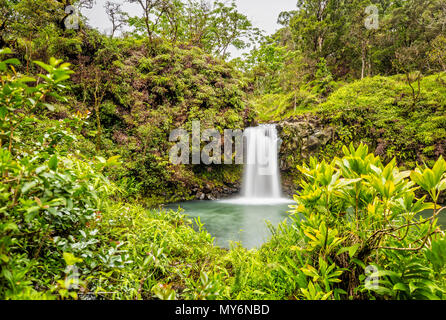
84, 165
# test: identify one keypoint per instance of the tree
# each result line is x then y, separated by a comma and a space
319, 27
416, 24
266, 63
438, 52
229, 27
407, 61
116, 16
337, 31
6, 15
153, 11
360, 37
198, 15
87, 4
311, 22
213, 27
285, 17
172, 23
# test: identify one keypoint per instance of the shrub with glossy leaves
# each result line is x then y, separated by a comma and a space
355, 211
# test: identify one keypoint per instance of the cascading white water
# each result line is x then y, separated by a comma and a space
261, 178
261, 173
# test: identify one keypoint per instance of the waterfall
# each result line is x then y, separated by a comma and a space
261, 172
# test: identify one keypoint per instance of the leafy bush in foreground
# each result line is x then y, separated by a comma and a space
46, 195
61, 233
356, 232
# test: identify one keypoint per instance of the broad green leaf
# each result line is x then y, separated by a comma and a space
27, 186
70, 259
44, 66
401, 287
5, 51
351, 250
52, 163
12, 61
50, 107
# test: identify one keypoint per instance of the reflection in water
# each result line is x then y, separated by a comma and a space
236, 222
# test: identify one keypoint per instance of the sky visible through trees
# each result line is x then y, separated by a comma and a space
262, 13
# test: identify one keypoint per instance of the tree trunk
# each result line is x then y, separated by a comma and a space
363, 67
320, 40
369, 72
149, 31
99, 127
295, 101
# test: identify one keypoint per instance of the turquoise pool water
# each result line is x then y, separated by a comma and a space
232, 221
245, 221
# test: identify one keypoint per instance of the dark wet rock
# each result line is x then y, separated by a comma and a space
200, 195
211, 197
324, 135
312, 144
212, 192
301, 138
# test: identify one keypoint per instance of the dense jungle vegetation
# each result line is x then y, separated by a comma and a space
85, 119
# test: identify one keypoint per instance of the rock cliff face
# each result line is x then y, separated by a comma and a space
302, 138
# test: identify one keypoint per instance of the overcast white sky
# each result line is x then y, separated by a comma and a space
262, 13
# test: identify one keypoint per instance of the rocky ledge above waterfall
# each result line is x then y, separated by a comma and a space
302, 137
